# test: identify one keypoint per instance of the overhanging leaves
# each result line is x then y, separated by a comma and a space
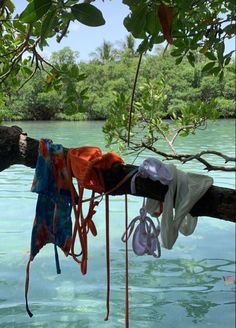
87, 14
35, 10
48, 23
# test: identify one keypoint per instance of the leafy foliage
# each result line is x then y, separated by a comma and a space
190, 25
196, 29
89, 88
29, 32
194, 25
148, 124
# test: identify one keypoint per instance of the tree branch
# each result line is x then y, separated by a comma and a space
17, 148
189, 157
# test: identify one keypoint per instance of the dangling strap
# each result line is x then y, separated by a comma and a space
86, 226
130, 229
126, 266
75, 199
77, 227
57, 260
55, 223
118, 185
107, 257
82, 227
27, 289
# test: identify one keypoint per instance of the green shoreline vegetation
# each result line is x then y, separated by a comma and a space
110, 72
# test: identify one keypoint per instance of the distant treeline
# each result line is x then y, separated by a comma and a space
111, 70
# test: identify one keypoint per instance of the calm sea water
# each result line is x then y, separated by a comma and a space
185, 288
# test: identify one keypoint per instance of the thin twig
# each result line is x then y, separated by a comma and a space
28, 79
63, 33
184, 127
217, 153
184, 158
132, 98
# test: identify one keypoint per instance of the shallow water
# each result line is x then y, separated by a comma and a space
185, 288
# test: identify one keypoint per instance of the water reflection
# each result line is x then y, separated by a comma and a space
160, 291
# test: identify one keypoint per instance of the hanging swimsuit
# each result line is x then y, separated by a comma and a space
87, 165
145, 237
52, 223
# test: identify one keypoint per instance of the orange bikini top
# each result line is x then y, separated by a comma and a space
87, 163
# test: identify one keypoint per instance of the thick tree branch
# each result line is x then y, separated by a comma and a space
17, 148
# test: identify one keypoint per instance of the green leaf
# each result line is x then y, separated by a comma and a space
87, 14
215, 70
210, 55
83, 92
208, 67
227, 60
48, 23
178, 60
227, 57
27, 70
221, 75
157, 39
144, 46
191, 58
152, 24
135, 23
176, 52
220, 52
35, 10
129, 3
19, 26
10, 5
230, 29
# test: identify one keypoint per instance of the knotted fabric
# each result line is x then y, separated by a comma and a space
184, 191
145, 236
153, 169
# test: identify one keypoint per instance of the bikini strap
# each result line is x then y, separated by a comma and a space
130, 229
126, 266
27, 288
107, 256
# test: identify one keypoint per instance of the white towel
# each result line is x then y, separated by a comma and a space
189, 188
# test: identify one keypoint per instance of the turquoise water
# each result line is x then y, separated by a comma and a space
184, 288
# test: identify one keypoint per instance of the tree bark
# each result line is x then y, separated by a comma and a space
17, 148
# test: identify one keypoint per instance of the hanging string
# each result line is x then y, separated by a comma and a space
27, 289
107, 256
126, 266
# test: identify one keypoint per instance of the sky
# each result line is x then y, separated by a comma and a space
85, 39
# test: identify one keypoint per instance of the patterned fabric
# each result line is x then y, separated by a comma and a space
52, 222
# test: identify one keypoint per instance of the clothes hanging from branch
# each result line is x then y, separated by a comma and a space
185, 189
52, 223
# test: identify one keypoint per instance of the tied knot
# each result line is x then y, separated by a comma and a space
145, 237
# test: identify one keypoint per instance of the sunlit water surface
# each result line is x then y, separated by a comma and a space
185, 288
